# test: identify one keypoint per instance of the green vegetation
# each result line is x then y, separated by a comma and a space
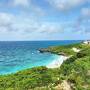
27, 79
66, 49
75, 70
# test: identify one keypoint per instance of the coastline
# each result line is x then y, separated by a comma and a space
58, 62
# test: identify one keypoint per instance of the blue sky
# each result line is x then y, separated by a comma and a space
44, 20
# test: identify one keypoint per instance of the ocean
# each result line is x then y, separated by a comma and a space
20, 55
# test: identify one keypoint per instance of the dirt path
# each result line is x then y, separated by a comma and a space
63, 86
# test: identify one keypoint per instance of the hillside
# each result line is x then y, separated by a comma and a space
74, 73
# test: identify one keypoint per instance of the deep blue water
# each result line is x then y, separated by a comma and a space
19, 55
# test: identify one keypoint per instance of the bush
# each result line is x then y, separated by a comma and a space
81, 54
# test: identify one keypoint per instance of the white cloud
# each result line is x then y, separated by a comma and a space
24, 6
6, 21
28, 6
66, 4
11, 23
85, 12
82, 23
50, 28
21, 2
26, 30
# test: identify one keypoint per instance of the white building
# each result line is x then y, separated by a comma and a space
87, 42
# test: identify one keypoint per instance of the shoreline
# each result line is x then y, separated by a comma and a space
58, 62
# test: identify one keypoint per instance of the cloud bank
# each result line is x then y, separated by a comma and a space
65, 5
44, 19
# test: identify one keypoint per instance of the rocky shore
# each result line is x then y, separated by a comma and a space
57, 62
44, 50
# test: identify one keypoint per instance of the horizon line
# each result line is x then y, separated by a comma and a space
39, 40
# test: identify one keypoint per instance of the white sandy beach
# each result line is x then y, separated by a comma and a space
57, 63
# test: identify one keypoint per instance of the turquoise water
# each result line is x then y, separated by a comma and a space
15, 56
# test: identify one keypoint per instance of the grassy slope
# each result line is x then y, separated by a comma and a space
75, 70
67, 49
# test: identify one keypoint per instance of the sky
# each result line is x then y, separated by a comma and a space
25, 20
